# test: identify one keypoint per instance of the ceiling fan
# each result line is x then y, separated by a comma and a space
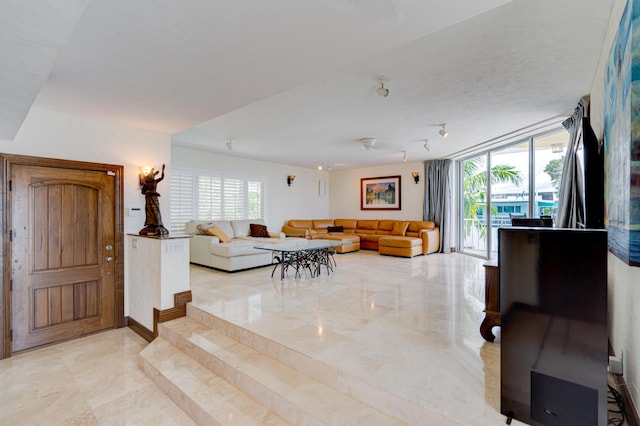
368, 143
373, 144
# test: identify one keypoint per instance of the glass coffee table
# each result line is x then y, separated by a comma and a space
302, 255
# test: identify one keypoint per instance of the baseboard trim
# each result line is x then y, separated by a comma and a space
630, 410
179, 310
140, 329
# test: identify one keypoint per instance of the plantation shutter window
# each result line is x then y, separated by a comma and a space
209, 195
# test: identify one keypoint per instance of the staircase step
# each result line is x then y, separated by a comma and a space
205, 396
392, 405
294, 395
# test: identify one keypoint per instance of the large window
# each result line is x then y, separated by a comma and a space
517, 180
207, 195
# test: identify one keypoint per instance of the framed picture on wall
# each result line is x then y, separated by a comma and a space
380, 193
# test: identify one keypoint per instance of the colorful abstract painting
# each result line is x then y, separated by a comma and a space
622, 138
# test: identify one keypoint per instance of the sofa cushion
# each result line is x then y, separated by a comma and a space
203, 228
234, 248
415, 226
399, 228
322, 224
301, 223
372, 237
241, 227
367, 225
347, 224
394, 241
191, 227
335, 229
258, 230
385, 225
215, 231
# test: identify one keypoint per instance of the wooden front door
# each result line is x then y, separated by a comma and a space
63, 253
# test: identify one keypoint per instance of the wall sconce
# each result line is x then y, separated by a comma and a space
145, 171
290, 179
416, 176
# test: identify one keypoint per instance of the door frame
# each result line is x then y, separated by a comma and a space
7, 161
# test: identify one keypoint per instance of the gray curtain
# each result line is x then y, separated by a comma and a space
437, 198
571, 197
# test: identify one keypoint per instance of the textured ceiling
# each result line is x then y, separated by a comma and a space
294, 81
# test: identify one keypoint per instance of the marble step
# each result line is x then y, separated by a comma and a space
205, 396
355, 387
295, 396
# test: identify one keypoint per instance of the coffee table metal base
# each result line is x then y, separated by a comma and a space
311, 260
309, 256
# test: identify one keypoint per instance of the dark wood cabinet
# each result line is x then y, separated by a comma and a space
491, 300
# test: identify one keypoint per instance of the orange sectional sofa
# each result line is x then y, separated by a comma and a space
400, 238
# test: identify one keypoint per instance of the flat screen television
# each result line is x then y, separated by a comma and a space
554, 336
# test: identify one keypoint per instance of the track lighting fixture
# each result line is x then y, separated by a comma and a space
381, 91
405, 156
426, 145
442, 131
230, 144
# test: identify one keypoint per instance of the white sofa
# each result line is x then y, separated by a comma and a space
232, 256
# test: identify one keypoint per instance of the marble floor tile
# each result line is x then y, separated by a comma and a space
409, 326
89, 381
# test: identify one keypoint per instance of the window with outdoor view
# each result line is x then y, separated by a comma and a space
517, 180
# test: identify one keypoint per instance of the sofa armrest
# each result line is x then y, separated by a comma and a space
290, 231
202, 242
430, 240
199, 248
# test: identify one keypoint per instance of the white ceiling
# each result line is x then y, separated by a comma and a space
293, 81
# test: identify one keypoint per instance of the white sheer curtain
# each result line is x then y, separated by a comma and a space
571, 197
437, 198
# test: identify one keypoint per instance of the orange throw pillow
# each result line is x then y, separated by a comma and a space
399, 228
217, 232
202, 228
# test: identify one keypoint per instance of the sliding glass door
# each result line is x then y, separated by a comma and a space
473, 175
517, 180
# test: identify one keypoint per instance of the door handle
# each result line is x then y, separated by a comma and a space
109, 258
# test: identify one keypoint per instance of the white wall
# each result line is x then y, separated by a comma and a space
345, 192
624, 281
301, 200
51, 134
